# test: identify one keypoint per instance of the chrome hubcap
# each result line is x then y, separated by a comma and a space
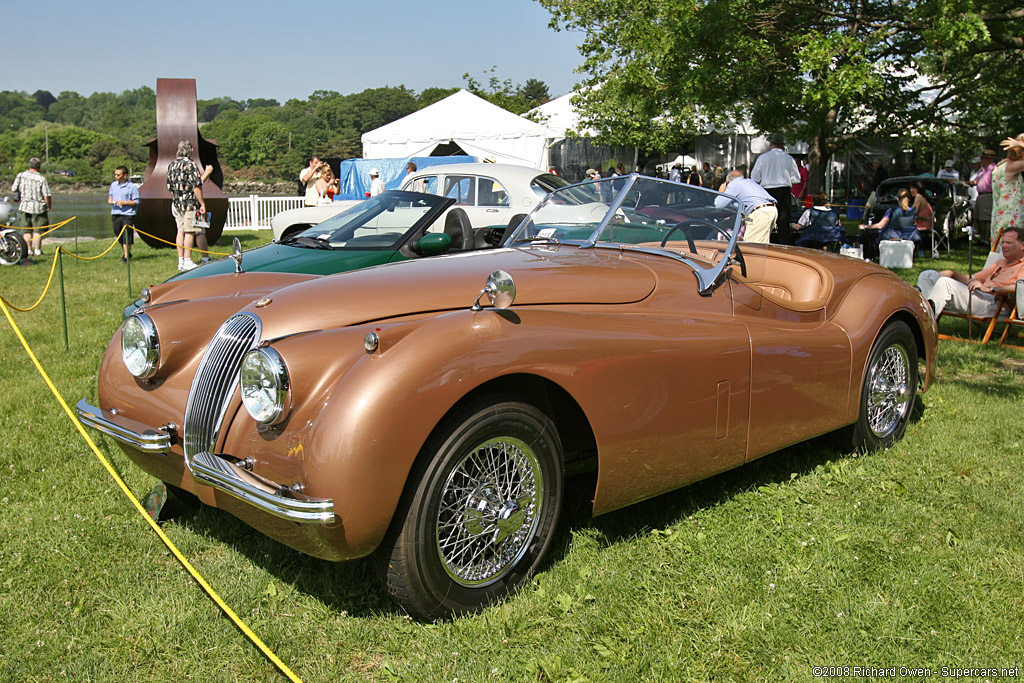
490, 506
889, 391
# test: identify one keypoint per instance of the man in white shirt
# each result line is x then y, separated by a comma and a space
776, 172
376, 184
948, 172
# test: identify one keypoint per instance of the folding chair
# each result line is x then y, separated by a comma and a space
1016, 317
1004, 304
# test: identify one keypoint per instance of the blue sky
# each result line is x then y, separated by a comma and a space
279, 50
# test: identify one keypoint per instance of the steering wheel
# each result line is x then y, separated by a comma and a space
685, 225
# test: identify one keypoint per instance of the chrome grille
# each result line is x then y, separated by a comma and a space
215, 382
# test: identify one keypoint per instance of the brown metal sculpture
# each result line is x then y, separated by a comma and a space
176, 120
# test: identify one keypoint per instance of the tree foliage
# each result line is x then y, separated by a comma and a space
503, 93
829, 72
257, 137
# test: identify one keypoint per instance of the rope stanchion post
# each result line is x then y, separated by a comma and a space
63, 302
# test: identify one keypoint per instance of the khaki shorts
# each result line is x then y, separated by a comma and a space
34, 220
186, 222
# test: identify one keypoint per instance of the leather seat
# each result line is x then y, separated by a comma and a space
458, 227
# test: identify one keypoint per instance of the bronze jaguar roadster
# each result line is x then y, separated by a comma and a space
428, 410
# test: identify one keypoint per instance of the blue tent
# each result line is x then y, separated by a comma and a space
354, 174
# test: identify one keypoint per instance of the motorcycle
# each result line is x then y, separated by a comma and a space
13, 249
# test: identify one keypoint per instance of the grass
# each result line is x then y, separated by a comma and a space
909, 557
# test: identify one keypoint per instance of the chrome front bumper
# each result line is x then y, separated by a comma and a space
213, 470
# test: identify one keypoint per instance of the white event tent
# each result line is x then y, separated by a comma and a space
479, 128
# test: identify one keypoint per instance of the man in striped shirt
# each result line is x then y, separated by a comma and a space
34, 200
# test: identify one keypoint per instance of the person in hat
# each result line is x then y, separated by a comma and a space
376, 184
777, 172
983, 205
948, 172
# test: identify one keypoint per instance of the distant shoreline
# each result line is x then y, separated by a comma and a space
239, 188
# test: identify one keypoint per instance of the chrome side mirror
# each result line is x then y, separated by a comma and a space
236, 254
500, 290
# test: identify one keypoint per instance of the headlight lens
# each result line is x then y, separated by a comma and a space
140, 346
264, 385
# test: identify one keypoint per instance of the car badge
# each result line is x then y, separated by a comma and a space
263, 302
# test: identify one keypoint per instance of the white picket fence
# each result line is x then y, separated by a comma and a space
255, 211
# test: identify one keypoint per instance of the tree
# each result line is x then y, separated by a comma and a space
535, 91
829, 72
502, 93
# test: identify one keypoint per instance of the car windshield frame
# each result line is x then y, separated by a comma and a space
340, 232
629, 213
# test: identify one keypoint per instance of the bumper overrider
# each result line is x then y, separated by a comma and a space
213, 470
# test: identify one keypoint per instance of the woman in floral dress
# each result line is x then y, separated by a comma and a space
1008, 190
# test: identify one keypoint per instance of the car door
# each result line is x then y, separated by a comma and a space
484, 199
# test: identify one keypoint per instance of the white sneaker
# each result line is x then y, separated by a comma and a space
206, 259
188, 265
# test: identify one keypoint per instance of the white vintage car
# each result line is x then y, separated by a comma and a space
490, 194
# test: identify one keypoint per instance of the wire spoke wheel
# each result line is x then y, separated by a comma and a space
889, 393
479, 512
488, 511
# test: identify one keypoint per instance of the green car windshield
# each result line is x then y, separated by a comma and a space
380, 223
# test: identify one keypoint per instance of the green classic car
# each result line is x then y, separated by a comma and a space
393, 226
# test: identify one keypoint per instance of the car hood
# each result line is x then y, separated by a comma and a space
563, 275
283, 258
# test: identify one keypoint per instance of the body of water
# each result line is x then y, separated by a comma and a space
93, 215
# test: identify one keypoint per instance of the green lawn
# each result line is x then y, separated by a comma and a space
911, 557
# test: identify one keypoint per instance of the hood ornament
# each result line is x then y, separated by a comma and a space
236, 254
500, 289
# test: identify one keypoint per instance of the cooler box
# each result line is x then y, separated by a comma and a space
896, 254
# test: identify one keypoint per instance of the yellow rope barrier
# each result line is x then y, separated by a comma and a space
159, 239
53, 268
142, 511
49, 281
101, 254
55, 226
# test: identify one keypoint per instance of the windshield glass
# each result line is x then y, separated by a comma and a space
546, 183
381, 222
642, 212
637, 213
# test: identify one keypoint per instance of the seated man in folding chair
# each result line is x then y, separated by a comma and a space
950, 290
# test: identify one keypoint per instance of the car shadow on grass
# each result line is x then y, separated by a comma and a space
669, 508
352, 588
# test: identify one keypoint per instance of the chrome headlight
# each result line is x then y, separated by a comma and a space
140, 346
264, 384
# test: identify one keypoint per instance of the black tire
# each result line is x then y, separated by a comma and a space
13, 249
459, 505
888, 391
